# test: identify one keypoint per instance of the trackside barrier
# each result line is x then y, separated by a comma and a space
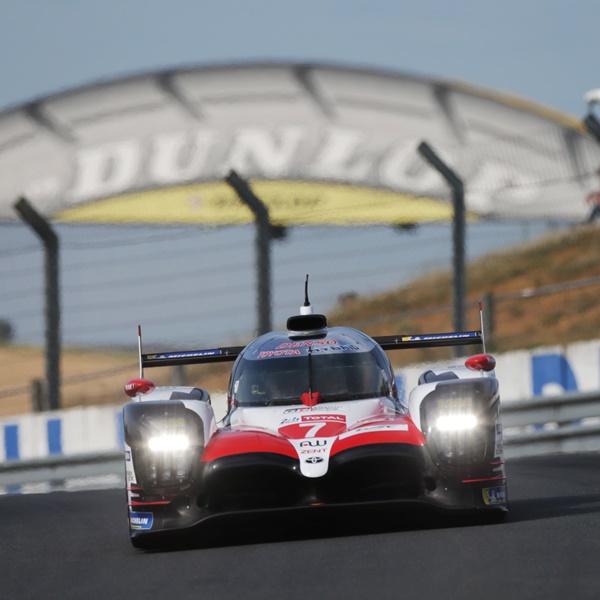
552, 425
67, 436
52, 435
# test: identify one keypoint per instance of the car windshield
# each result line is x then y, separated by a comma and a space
337, 377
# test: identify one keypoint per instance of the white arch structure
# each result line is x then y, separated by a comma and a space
154, 148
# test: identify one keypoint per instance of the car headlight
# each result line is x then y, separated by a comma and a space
458, 422
166, 440
168, 459
455, 425
169, 442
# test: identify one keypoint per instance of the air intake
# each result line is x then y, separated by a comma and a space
307, 325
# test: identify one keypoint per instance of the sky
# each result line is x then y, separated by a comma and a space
545, 50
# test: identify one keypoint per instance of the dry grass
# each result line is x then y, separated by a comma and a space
559, 318
21, 365
87, 377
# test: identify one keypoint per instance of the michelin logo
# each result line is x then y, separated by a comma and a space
139, 520
190, 354
444, 336
494, 495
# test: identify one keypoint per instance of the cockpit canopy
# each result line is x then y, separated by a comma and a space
342, 365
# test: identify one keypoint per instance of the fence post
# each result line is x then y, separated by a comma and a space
38, 400
264, 235
178, 375
50, 240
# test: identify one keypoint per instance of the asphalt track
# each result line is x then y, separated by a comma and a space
74, 545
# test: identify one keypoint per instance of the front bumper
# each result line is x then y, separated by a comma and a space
390, 476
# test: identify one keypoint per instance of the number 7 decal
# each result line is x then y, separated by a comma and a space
312, 429
312, 432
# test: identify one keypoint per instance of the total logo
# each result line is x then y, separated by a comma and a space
314, 459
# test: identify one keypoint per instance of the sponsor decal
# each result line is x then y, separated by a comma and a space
338, 348
307, 409
314, 443
128, 455
190, 354
433, 337
336, 418
141, 520
275, 353
498, 447
312, 429
289, 420
216, 204
313, 459
494, 495
120, 167
374, 428
307, 343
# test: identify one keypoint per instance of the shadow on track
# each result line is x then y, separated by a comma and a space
535, 509
323, 523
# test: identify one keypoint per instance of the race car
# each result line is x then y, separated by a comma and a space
313, 419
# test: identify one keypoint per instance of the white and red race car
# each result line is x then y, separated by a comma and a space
313, 419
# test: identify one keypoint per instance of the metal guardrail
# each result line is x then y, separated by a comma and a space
54, 473
551, 425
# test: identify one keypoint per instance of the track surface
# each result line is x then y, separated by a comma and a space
74, 545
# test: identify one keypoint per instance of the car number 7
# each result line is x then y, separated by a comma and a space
312, 432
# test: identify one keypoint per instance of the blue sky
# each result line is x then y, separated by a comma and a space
546, 50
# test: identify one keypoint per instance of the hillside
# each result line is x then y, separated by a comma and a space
520, 320
528, 310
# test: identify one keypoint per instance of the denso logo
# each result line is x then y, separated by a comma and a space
307, 343
321, 409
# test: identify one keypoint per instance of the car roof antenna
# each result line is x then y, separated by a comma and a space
306, 309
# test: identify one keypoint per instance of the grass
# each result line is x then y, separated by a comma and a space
425, 305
